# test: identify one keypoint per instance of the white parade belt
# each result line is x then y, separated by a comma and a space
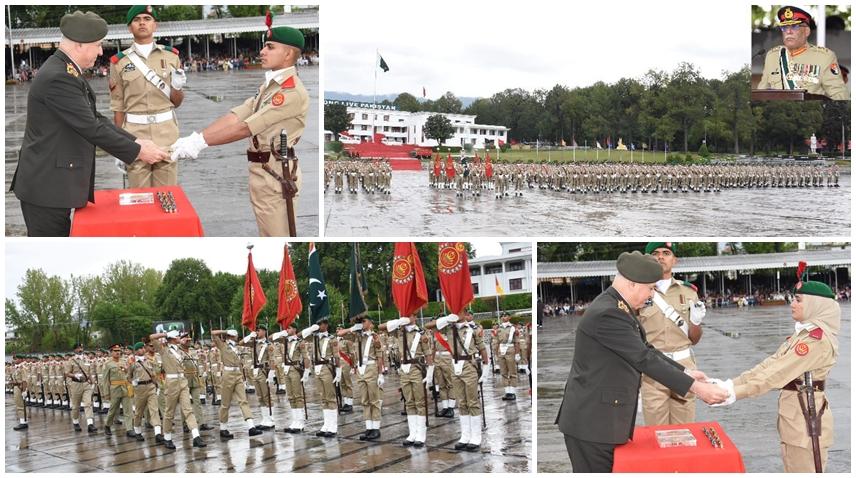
449, 354
232, 369
149, 119
174, 375
680, 354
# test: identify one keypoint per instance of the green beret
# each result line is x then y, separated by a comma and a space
653, 246
287, 36
138, 346
138, 9
819, 289
83, 27
639, 268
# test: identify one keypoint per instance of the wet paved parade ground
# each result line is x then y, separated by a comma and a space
215, 182
51, 445
416, 209
734, 340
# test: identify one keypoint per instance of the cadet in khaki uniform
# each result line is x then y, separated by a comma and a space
116, 376
216, 373
325, 352
103, 386
369, 364
443, 372
143, 104
347, 349
145, 393
232, 384
77, 371
175, 383
468, 356
276, 362
812, 348
507, 345
281, 103
672, 325
261, 373
416, 375
296, 366
195, 385
19, 387
798, 65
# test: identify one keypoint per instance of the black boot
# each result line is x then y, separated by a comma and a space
375, 434
77, 427
159, 439
226, 434
255, 431
130, 434
140, 437
199, 443
91, 429
418, 444
20, 426
472, 447
107, 431
365, 436
460, 446
169, 444
205, 427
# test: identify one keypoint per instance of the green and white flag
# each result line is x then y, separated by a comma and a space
357, 304
319, 304
382, 63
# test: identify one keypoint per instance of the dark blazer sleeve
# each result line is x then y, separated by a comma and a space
64, 99
618, 334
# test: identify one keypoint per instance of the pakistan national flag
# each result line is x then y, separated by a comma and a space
382, 63
319, 304
357, 305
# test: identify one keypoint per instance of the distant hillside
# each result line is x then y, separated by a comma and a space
343, 96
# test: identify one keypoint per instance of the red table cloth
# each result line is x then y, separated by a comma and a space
643, 455
107, 218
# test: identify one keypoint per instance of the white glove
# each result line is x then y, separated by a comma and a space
697, 312
271, 374
305, 376
308, 331
429, 377
248, 338
484, 373
179, 79
442, 322
277, 335
134, 383
338, 377
78, 376
727, 385
189, 146
357, 327
516, 357
396, 323
380, 380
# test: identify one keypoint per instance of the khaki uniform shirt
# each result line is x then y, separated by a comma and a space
660, 331
131, 92
813, 68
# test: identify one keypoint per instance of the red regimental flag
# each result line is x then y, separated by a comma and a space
254, 296
454, 272
409, 290
289, 303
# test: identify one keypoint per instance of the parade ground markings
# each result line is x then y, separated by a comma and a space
52, 445
415, 209
734, 340
217, 181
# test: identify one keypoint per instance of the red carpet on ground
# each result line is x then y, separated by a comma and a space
400, 156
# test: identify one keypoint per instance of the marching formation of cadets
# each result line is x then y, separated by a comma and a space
167, 376
597, 178
373, 177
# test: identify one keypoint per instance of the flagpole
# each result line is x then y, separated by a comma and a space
374, 97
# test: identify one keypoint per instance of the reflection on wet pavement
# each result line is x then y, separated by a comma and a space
52, 445
721, 353
216, 182
414, 209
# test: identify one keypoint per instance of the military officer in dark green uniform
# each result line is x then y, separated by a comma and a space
56, 166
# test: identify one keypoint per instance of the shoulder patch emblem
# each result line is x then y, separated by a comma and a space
71, 70
129, 67
288, 83
816, 334
801, 349
278, 99
623, 306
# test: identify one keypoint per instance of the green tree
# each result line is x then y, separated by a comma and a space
247, 10
438, 127
43, 317
186, 293
172, 13
123, 323
336, 118
124, 282
448, 103
407, 102
768, 247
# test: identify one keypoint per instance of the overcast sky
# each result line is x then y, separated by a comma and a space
90, 256
480, 48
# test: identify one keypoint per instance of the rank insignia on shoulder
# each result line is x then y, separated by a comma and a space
801, 349
623, 306
118, 56
288, 83
816, 334
71, 70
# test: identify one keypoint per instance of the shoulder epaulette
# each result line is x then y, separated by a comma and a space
288, 83
118, 56
690, 285
816, 333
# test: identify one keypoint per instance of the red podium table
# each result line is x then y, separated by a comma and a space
107, 218
643, 455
